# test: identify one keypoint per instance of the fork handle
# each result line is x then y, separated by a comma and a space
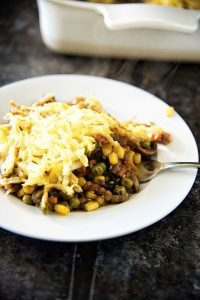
172, 165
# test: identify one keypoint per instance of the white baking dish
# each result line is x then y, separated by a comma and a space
120, 30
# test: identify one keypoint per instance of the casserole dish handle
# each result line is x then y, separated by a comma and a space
126, 16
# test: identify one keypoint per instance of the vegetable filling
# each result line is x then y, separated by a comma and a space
65, 157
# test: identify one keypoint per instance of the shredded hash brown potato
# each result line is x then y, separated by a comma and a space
72, 156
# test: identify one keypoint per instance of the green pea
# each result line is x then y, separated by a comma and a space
97, 170
99, 179
37, 196
20, 193
103, 165
48, 209
127, 183
120, 190
74, 202
27, 199
147, 144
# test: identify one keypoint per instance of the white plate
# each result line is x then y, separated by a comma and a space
156, 199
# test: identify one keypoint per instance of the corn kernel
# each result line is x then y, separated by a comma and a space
92, 205
62, 209
28, 189
170, 111
81, 181
100, 200
120, 152
137, 158
132, 155
106, 149
113, 158
91, 195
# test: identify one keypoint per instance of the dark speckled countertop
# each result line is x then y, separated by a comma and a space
159, 262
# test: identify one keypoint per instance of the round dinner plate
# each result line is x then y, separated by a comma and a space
155, 199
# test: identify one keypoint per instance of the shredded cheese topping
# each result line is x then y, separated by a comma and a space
44, 143
143, 131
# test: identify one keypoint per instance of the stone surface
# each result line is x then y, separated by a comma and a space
160, 262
